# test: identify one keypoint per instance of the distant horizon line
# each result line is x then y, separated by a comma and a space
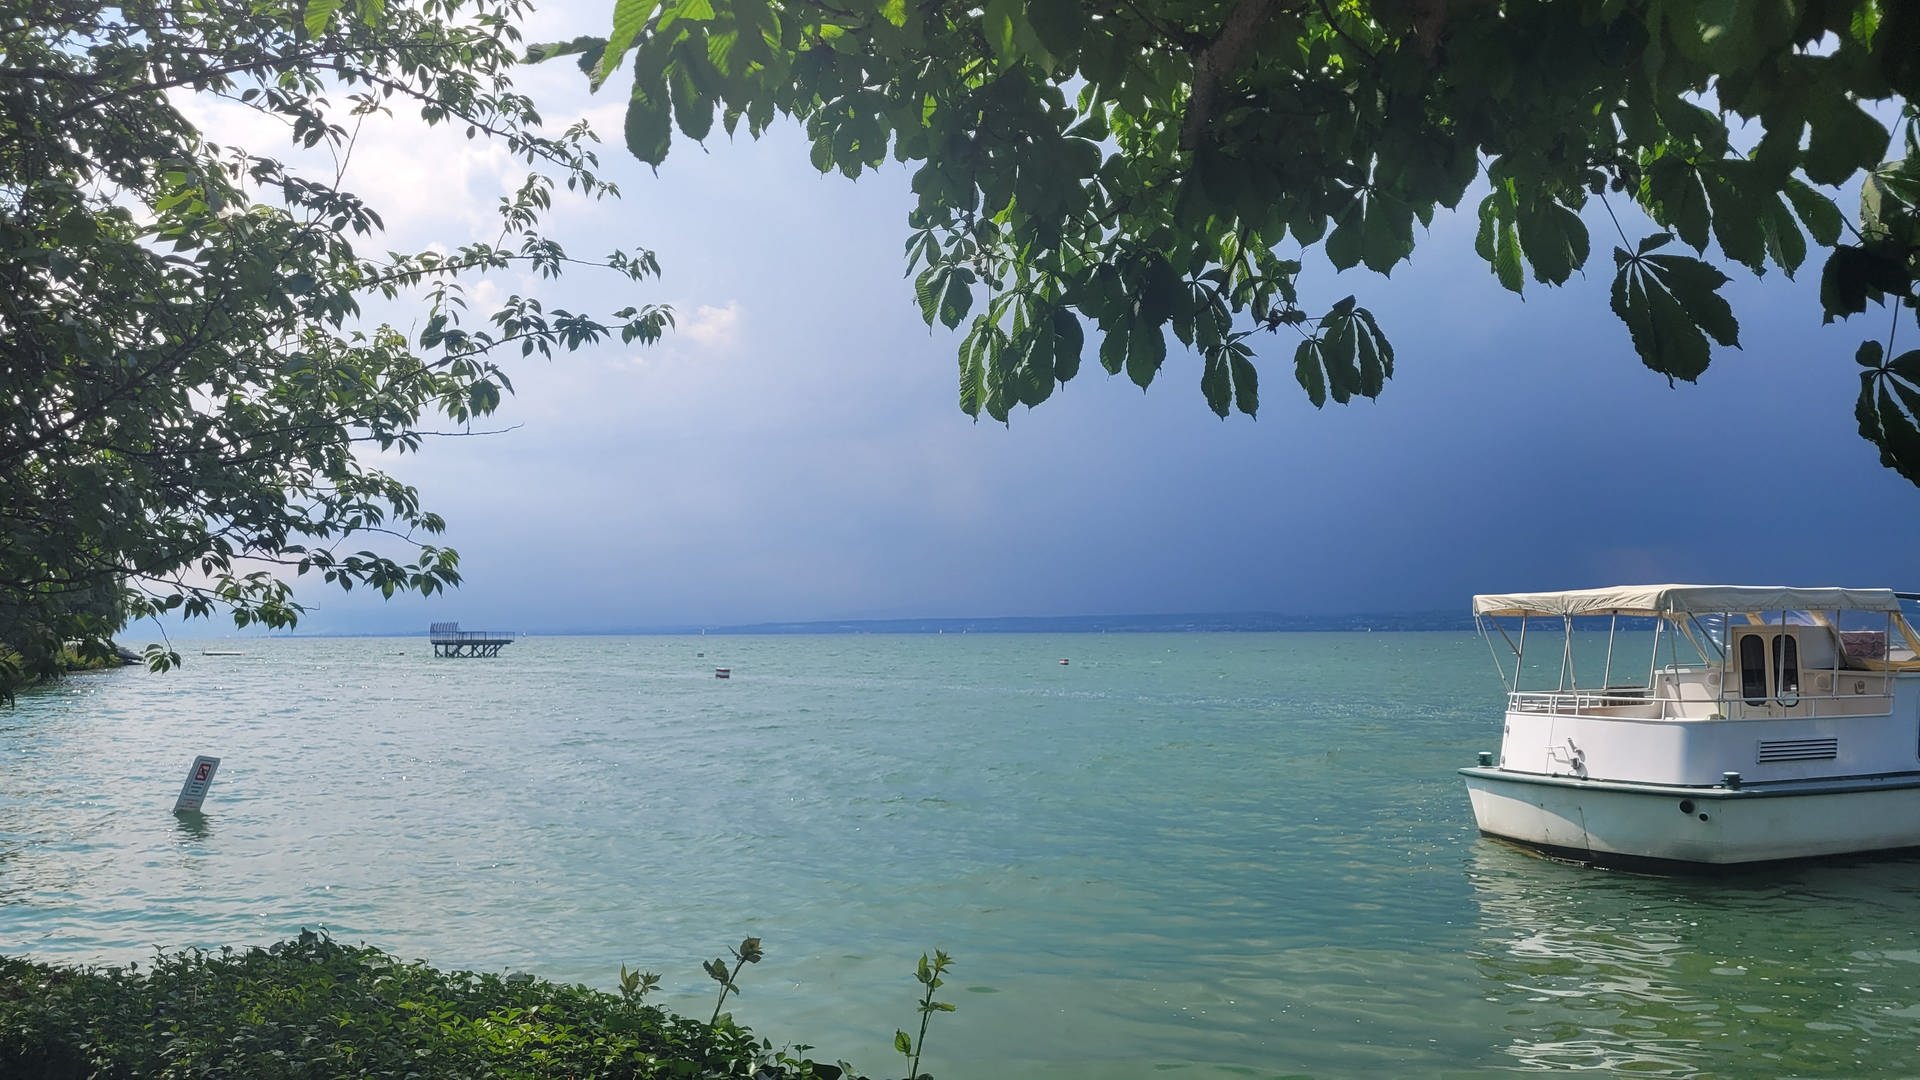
1202, 622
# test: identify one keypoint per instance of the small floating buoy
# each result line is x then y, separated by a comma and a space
1063, 661
723, 673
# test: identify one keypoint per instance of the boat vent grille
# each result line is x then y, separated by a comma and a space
1798, 750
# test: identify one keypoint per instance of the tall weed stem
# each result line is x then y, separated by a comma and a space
929, 976
747, 953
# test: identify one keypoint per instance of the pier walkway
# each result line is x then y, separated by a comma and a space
449, 640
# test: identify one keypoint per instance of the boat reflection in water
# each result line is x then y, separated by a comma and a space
1805, 970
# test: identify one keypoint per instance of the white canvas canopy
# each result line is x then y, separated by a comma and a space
1682, 599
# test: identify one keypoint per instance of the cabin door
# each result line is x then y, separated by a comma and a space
1767, 676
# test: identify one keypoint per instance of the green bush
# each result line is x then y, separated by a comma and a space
314, 1008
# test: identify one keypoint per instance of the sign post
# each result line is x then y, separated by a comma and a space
199, 778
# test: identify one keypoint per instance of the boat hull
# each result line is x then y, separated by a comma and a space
1628, 823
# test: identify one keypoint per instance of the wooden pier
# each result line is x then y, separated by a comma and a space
449, 640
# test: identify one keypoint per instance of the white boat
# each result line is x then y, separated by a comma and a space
1767, 723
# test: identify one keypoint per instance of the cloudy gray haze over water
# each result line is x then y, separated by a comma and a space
795, 450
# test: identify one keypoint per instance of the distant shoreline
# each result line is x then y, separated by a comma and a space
1259, 622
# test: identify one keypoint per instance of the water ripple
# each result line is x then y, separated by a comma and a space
1211, 855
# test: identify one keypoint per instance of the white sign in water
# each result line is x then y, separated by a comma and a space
199, 778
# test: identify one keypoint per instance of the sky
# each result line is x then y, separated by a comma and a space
795, 451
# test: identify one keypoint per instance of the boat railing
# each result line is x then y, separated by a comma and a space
1576, 701
447, 633
1855, 694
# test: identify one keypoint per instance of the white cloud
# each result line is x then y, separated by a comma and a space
715, 329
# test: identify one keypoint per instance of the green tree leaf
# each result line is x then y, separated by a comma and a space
1357, 357
973, 379
1000, 360
1069, 340
1246, 380
1855, 274
1554, 238
649, 128
1740, 218
945, 292
1136, 348
1374, 228
629, 16
692, 109
1216, 383
1060, 25
1034, 351
1731, 35
1000, 22
1818, 212
1677, 199
1160, 293
1671, 304
319, 14
1498, 240
1890, 205
1884, 422
1785, 244
1310, 371
1387, 233
1844, 139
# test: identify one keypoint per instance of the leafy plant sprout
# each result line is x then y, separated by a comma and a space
635, 986
929, 976
748, 953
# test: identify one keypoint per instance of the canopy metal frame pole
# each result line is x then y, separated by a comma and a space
1520, 657
1566, 654
1653, 664
1613, 628
1494, 622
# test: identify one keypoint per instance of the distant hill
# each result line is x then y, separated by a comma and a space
1255, 622
1240, 622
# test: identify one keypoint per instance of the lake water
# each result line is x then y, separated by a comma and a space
1207, 855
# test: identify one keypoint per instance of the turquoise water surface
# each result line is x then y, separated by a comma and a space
1204, 854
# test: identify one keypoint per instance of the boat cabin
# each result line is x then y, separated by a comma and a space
1703, 725
1686, 684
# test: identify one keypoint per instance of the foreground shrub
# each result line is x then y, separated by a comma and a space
313, 1008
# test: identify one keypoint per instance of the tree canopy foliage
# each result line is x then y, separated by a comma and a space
1154, 167
189, 382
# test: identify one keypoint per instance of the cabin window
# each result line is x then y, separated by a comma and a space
1753, 669
1786, 670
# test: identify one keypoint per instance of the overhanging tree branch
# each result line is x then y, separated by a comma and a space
1216, 62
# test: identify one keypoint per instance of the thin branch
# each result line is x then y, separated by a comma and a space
1216, 62
1608, 205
